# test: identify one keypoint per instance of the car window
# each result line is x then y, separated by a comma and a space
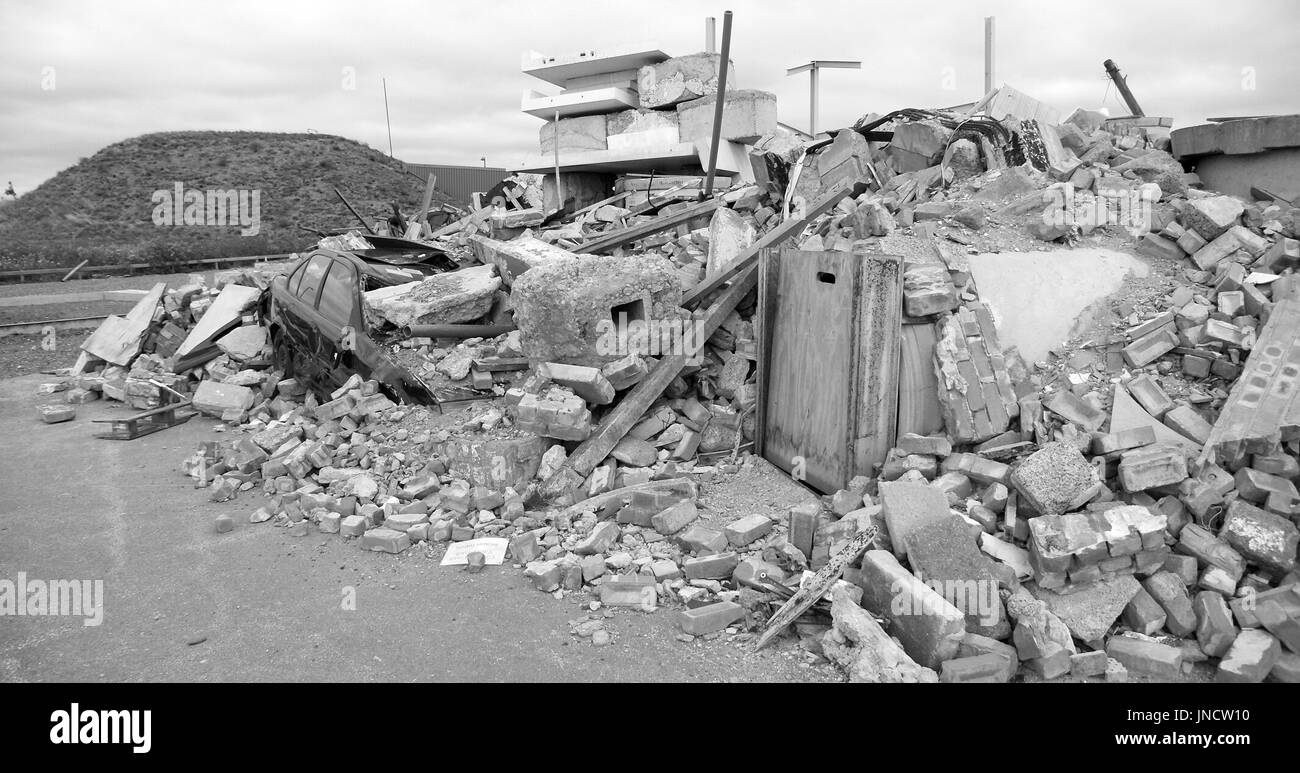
309, 287
338, 298
296, 278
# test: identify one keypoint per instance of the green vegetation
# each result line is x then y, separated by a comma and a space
101, 208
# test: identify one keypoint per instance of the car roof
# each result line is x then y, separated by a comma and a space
377, 273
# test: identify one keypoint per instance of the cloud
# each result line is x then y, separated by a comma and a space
453, 70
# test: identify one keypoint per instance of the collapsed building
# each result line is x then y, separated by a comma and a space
1125, 504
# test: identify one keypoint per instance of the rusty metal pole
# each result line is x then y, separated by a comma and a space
717, 107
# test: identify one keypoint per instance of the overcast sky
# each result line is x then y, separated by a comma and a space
76, 76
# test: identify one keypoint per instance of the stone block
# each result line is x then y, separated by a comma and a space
1249, 658
929, 628
1152, 466
710, 618
1260, 536
577, 134
745, 530
1215, 631
747, 116
907, 506
1146, 657
1171, 594
1056, 479
385, 540
719, 566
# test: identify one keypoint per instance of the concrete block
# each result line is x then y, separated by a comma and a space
1210, 217
745, 530
1249, 658
1056, 479
907, 506
1146, 657
929, 628
675, 518
1187, 422
1152, 466
678, 80
988, 668
213, 398
1260, 536
747, 116
1150, 396
719, 566
636, 591
710, 618
1171, 594
385, 540
1215, 631
55, 414
1144, 614
586, 382
577, 134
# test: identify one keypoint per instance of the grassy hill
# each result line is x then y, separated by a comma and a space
102, 207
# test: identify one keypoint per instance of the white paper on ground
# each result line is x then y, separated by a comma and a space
492, 548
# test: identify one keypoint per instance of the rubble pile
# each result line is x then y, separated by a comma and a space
1128, 506
204, 344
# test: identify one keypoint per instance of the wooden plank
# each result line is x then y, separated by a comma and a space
808, 423
422, 218
773, 238
918, 385
634, 404
498, 364
118, 339
764, 319
819, 585
477, 216
617, 197
642, 230
880, 316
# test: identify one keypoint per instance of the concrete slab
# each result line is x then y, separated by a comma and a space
1037, 297
561, 69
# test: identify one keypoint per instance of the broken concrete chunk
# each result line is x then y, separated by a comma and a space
453, 297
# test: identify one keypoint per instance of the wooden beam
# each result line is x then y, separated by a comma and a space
773, 238
422, 218
617, 197
642, 230
633, 406
816, 588
364, 224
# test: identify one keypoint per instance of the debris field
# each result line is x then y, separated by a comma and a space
597, 361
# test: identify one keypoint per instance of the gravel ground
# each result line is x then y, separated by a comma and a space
12, 314
22, 355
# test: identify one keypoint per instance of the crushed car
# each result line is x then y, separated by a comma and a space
318, 333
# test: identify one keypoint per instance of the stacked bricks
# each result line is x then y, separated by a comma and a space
975, 392
557, 413
1262, 409
1082, 548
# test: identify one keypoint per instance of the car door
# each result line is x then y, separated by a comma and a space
339, 319
299, 316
